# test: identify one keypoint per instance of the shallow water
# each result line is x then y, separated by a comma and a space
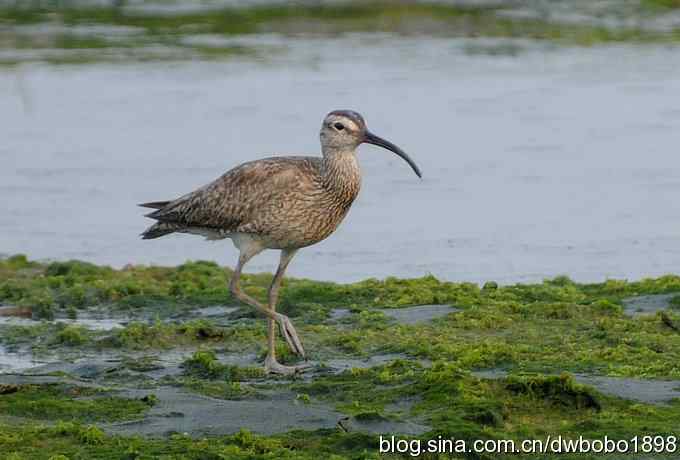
539, 162
17, 361
97, 324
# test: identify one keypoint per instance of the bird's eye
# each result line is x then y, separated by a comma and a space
339, 126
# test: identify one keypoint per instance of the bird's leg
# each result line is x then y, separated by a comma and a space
234, 287
287, 329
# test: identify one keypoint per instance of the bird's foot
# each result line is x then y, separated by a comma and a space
272, 366
290, 334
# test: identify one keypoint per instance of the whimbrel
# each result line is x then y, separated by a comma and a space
284, 203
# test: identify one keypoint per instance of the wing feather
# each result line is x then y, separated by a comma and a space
231, 202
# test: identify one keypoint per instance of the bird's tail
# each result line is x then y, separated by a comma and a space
159, 229
154, 204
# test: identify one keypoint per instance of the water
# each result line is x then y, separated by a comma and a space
103, 324
16, 361
539, 162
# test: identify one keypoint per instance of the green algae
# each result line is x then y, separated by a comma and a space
487, 336
675, 302
136, 335
79, 284
231, 390
662, 4
204, 364
76, 441
68, 402
532, 330
72, 335
560, 390
139, 335
557, 324
362, 391
456, 404
16, 335
452, 401
204, 374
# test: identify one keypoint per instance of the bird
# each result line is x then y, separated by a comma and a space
283, 203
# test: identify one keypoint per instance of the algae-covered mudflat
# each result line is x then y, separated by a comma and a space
160, 362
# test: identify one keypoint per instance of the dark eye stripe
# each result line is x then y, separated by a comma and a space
339, 126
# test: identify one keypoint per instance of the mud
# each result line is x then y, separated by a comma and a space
184, 412
86, 369
647, 391
180, 411
382, 425
419, 314
21, 379
407, 315
217, 311
17, 312
342, 364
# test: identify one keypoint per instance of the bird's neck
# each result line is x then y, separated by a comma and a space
341, 173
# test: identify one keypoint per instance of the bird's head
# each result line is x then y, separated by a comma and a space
345, 130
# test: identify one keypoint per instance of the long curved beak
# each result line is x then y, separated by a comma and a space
371, 138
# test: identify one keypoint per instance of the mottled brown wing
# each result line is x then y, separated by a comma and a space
230, 202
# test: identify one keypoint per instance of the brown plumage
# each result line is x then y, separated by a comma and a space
286, 201
282, 203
